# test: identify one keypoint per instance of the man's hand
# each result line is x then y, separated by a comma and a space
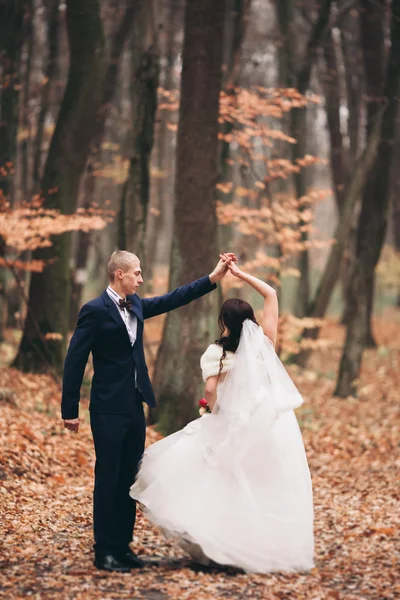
222, 267
72, 425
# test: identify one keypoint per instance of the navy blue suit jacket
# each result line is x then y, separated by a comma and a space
101, 330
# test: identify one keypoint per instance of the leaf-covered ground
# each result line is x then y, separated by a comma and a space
353, 449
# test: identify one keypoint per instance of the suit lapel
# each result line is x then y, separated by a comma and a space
114, 312
135, 308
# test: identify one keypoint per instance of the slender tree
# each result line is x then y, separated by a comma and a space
298, 75
158, 229
49, 299
373, 42
14, 20
333, 102
15, 16
332, 270
351, 84
372, 223
145, 73
50, 74
350, 42
110, 84
25, 117
350, 169
395, 198
194, 250
83, 242
236, 21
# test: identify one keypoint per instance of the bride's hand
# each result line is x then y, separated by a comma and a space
233, 268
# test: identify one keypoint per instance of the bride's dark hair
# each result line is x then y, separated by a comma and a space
232, 316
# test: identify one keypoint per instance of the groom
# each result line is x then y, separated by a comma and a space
111, 327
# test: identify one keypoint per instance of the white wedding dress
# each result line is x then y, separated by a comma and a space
234, 486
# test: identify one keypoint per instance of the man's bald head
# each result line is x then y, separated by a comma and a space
121, 259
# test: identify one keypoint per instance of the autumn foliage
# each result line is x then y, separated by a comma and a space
32, 226
46, 478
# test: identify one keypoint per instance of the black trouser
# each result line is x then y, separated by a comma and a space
119, 445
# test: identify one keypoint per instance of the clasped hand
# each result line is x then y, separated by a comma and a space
225, 260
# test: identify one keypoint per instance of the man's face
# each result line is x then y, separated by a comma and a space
131, 278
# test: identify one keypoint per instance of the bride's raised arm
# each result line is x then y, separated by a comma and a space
270, 312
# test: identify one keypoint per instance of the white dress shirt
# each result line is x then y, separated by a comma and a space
128, 317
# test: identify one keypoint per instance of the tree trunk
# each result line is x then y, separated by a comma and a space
3, 293
25, 145
350, 43
372, 224
287, 43
49, 293
298, 130
373, 48
237, 15
395, 198
14, 16
160, 220
373, 40
85, 238
329, 279
110, 79
353, 86
339, 171
236, 21
342, 257
136, 191
53, 29
79, 273
318, 307
188, 330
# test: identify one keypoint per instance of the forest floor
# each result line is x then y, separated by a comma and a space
46, 477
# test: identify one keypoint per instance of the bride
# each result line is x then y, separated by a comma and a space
233, 487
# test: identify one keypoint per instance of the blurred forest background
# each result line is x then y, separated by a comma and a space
176, 131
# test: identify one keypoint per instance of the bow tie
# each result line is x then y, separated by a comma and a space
125, 304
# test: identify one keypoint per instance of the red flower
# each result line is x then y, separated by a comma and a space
203, 402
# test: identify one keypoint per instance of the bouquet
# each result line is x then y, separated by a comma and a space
204, 408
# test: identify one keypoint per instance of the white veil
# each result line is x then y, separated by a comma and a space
254, 393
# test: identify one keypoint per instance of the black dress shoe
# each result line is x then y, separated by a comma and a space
109, 562
132, 561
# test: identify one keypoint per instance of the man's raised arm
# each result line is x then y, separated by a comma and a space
186, 293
